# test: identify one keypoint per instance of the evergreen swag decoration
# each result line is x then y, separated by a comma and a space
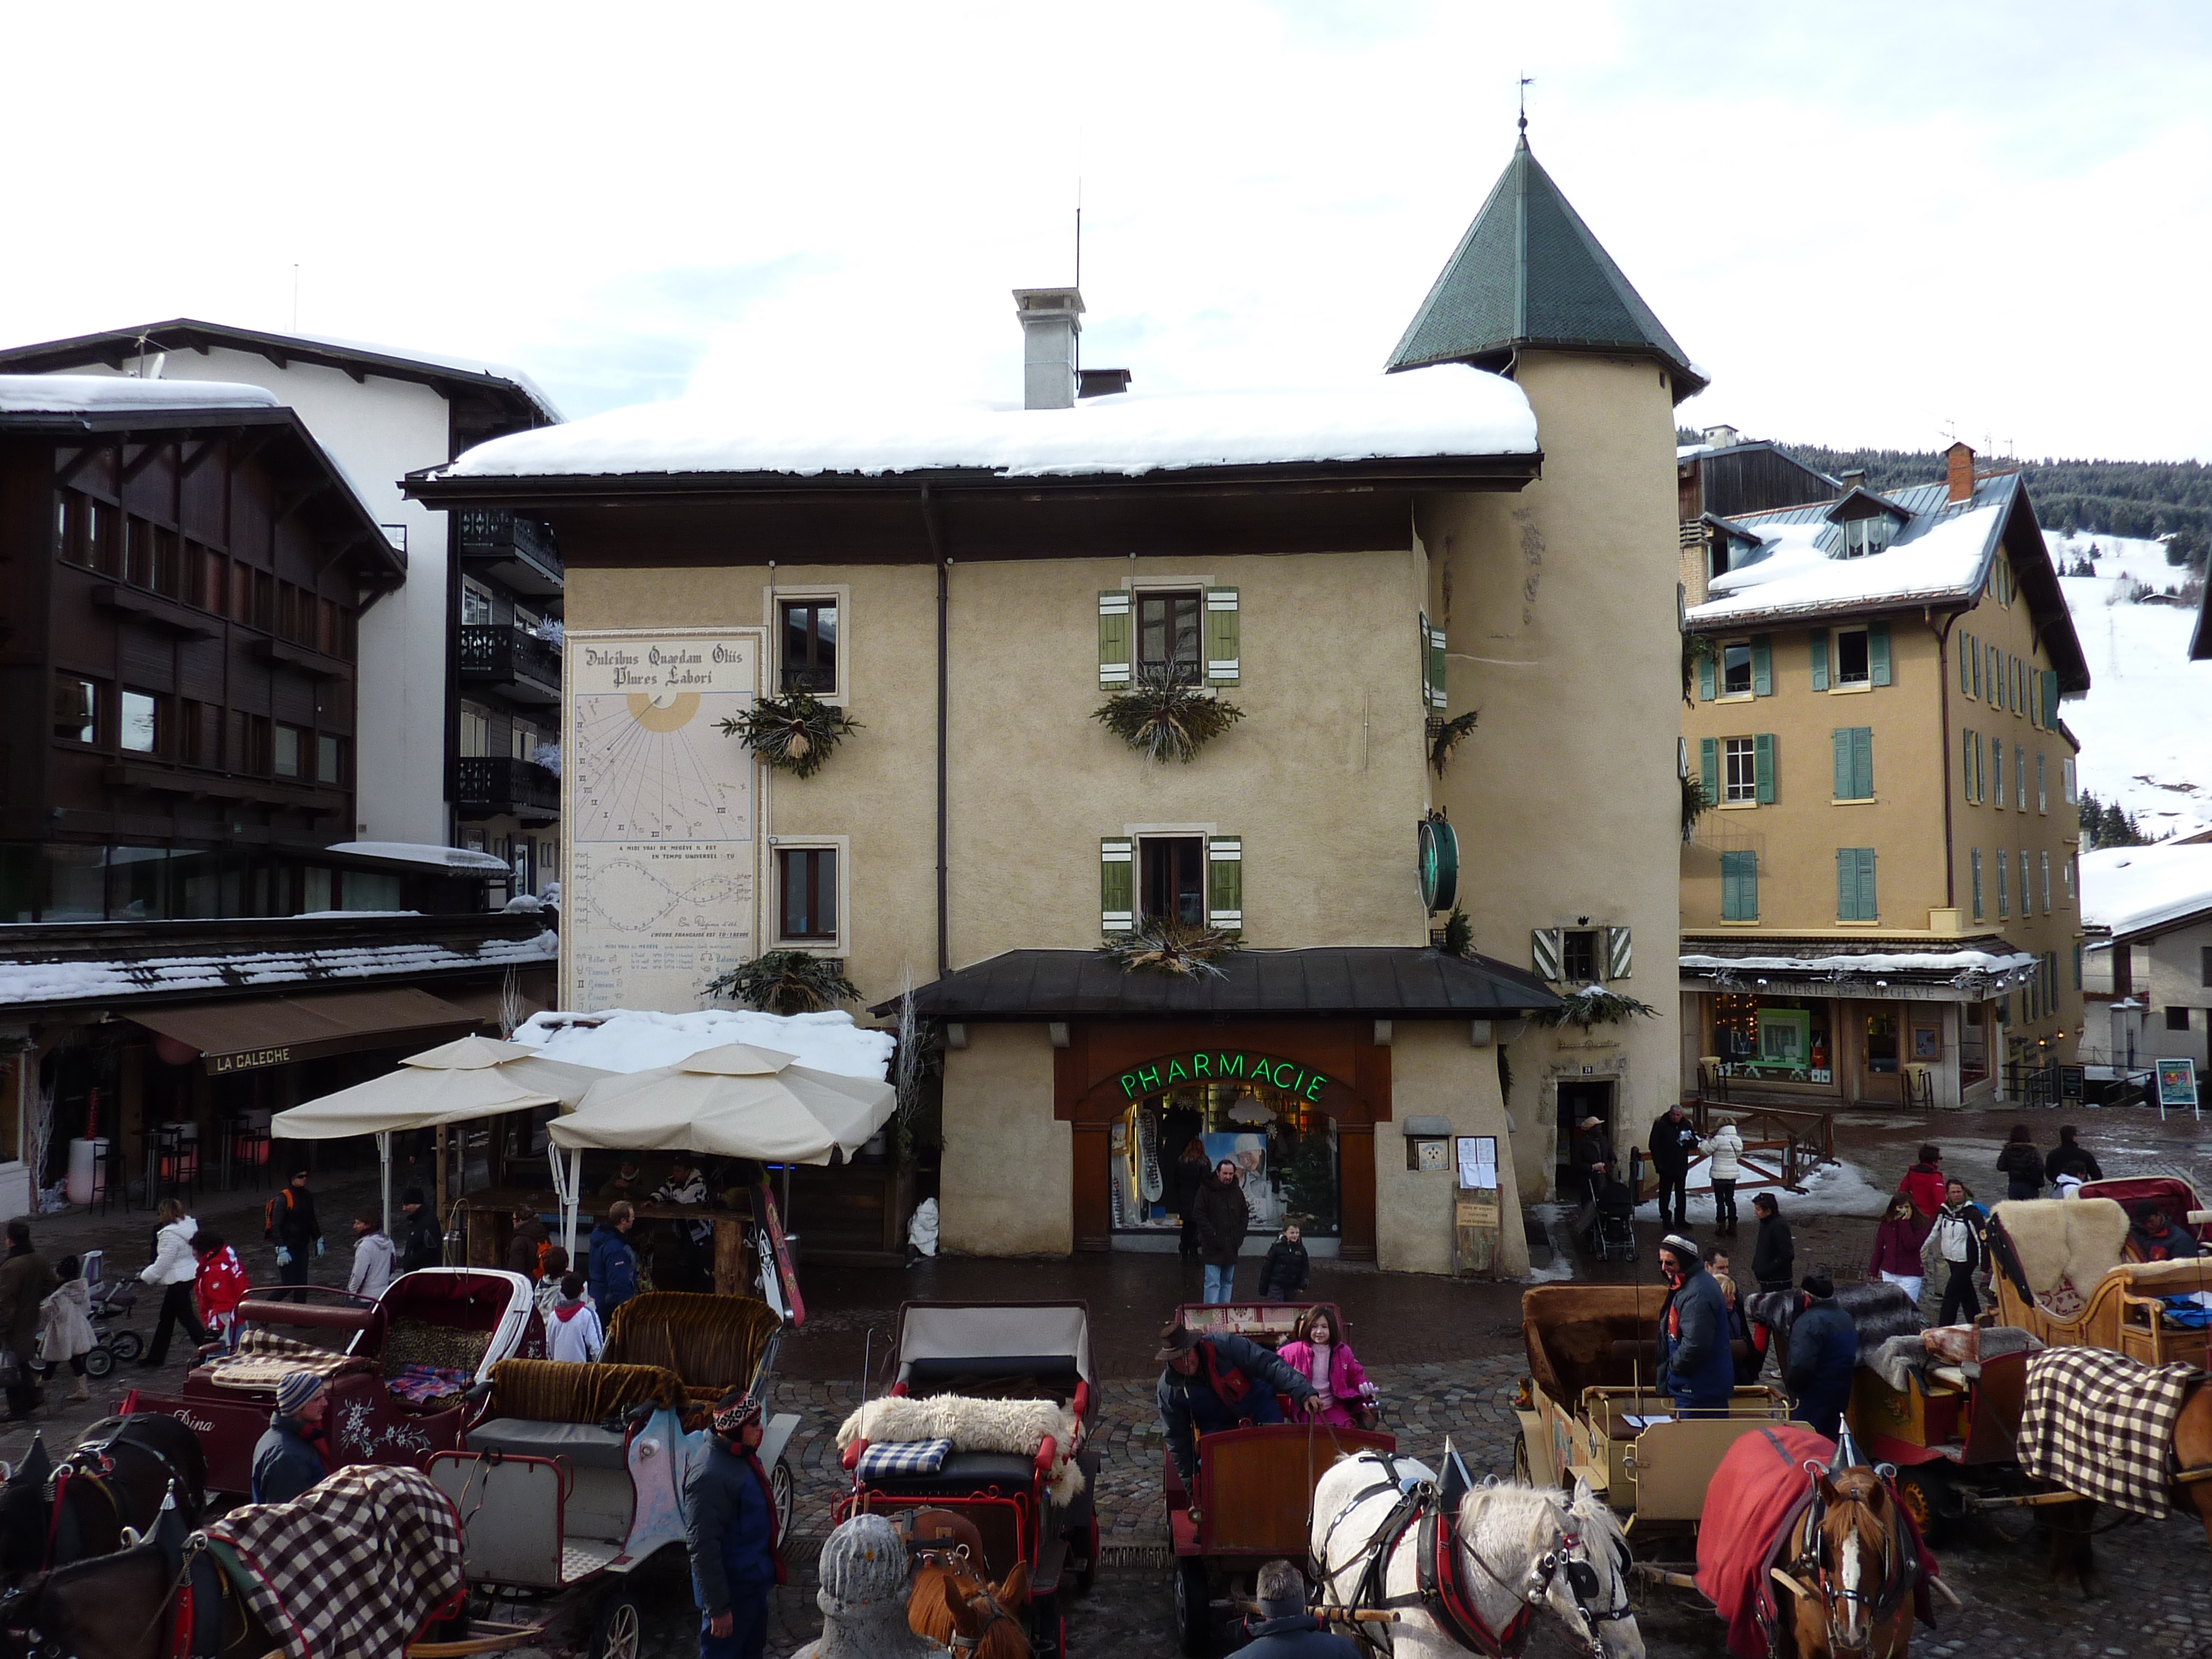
1693, 806
1459, 934
1446, 736
794, 732
786, 983
1181, 949
1166, 716
1593, 1005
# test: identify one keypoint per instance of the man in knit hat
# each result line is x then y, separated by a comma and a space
735, 1563
1285, 1630
286, 1462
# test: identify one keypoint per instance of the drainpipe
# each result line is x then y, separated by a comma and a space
1943, 701
930, 524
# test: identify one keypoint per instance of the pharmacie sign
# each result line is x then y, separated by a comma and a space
1223, 1065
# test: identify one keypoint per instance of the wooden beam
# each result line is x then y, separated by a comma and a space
291, 501
146, 455
189, 457
65, 476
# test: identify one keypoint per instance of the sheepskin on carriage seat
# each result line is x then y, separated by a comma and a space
1015, 1426
2064, 1246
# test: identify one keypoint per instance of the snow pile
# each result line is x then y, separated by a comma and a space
1791, 572
2128, 889
89, 394
1446, 410
1830, 1190
1872, 963
407, 852
628, 1039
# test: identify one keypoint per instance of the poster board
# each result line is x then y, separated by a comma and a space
658, 844
2176, 1084
1477, 1213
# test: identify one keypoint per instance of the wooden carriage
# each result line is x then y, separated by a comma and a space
2061, 1272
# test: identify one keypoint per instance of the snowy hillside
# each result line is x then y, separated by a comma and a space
2146, 726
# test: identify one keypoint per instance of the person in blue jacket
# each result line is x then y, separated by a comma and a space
612, 1266
1695, 1365
285, 1461
1824, 1346
1212, 1383
730, 1532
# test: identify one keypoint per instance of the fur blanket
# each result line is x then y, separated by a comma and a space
2063, 1246
1963, 1346
1880, 1310
1014, 1426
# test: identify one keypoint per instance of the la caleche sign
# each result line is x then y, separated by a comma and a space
1222, 1065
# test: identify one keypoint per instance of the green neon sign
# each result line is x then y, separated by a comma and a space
1223, 1065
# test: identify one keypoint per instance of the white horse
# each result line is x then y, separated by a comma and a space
1522, 1549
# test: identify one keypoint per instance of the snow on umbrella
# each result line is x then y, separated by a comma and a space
736, 1101
472, 1078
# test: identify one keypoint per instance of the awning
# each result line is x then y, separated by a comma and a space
258, 1032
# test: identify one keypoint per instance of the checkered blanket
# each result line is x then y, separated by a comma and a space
353, 1570
2100, 1424
905, 1457
265, 1358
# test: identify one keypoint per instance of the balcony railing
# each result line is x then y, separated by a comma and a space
517, 549
490, 785
514, 659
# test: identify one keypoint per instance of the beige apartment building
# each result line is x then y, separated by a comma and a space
1350, 569
1881, 894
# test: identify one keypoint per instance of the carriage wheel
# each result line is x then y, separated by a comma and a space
1047, 1630
1194, 1618
127, 1345
1521, 1475
783, 1494
617, 1633
98, 1362
1921, 1495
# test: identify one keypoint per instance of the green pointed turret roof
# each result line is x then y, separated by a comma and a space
1530, 273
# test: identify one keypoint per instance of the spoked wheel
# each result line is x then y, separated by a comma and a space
127, 1346
619, 1632
1194, 1618
1521, 1462
98, 1362
783, 1494
1923, 1494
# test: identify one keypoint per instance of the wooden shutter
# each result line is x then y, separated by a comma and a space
1544, 952
2004, 883
2042, 785
1117, 884
1428, 688
1739, 887
1436, 654
1820, 660
1221, 637
1113, 639
2051, 700
1841, 738
1974, 860
2066, 778
1619, 958
1709, 768
1878, 653
1862, 762
1868, 911
1762, 754
1965, 669
1705, 671
1847, 884
1762, 664
1224, 882
1966, 765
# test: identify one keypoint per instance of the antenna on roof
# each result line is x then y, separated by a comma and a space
295, 296
1527, 82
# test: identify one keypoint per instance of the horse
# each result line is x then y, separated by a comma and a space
2073, 1560
122, 1606
105, 1493
1850, 1589
951, 1603
1512, 1550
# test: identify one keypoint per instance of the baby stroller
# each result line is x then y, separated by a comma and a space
1613, 1234
111, 1306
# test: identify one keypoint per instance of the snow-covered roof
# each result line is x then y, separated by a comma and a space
2137, 890
628, 1039
1871, 961
96, 394
477, 367
1447, 411
407, 852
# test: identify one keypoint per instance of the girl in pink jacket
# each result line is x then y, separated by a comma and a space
1318, 1354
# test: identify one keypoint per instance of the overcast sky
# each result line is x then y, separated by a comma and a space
1872, 223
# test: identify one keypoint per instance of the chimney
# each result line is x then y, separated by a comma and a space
1854, 479
1052, 328
1721, 437
1962, 471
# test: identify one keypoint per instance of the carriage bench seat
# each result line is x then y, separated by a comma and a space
965, 1472
1949, 1377
585, 1445
1054, 1374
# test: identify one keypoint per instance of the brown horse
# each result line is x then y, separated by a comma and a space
2073, 1560
952, 1603
1850, 1590
119, 1606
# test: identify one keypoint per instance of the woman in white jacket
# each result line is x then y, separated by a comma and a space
174, 1268
1724, 1147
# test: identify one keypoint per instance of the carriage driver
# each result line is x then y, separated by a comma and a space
1695, 1365
1217, 1382
735, 1562
285, 1461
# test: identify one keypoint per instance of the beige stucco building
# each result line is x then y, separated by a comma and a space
1350, 570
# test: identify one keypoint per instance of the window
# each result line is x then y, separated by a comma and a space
2020, 777
1865, 536
1855, 898
137, 552
809, 629
2042, 787
2066, 872
523, 740
76, 710
2066, 779
1977, 655
1881, 1044
140, 728
1739, 887
475, 732
1854, 747
1995, 659
1171, 877
475, 606
1851, 657
2004, 883
65, 542
2177, 1019
2046, 883
1578, 956
1997, 766
1742, 785
806, 880
1168, 633
287, 751
1735, 668
330, 759
1975, 860
2026, 910
2204, 964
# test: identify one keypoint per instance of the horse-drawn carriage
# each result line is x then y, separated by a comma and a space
988, 1418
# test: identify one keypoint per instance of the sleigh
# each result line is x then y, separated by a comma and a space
2060, 1270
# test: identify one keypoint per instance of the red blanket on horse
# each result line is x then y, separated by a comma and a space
1758, 1496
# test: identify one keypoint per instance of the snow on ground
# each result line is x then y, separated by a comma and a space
1555, 1219
626, 1040
1830, 1190
2146, 726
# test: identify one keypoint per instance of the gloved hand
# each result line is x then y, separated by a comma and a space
319, 1247
283, 1256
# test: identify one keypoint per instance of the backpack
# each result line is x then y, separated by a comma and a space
269, 1212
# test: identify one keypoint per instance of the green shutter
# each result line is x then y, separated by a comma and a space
1225, 885
1762, 756
1878, 653
2004, 883
1869, 909
1428, 687
1966, 764
1706, 670
1437, 698
1117, 884
1619, 954
1113, 635
1842, 739
1862, 762
1221, 637
1544, 952
1739, 887
1847, 884
1965, 670
1820, 660
1709, 768
1762, 666
1975, 860
2051, 700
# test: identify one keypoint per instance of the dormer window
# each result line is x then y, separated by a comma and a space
1865, 536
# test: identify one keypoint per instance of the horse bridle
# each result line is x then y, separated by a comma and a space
1896, 1579
953, 1559
1572, 1557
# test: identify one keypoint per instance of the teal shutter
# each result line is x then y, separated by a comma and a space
1544, 952
1117, 884
1709, 768
1762, 754
1221, 637
2051, 700
1225, 887
1868, 911
1762, 666
1878, 653
1975, 860
1619, 954
1847, 884
1862, 762
1437, 652
1820, 660
1706, 669
2004, 883
1114, 633
1966, 764
1966, 671
1739, 887
1842, 739
1428, 685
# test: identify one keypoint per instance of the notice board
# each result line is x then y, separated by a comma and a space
1477, 1213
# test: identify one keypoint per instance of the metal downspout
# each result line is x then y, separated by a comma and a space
1943, 701
944, 681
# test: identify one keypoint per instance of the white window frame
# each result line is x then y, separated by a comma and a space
1863, 538
2069, 781
1732, 751
1837, 681
1721, 693
772, 917
773, 600
2042, 784
473, 589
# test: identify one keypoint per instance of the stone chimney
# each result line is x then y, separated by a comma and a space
1961, 459
1855, 478
1720, 437
1052, 331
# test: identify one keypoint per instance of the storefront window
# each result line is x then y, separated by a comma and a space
1973, 1045
1284, 1145
1785, 1039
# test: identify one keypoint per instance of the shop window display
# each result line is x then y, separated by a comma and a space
1785, 1039
1284, 1145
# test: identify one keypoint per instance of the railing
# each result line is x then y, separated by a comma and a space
501, 653
496, 783
494, 533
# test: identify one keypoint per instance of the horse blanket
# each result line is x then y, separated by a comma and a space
353, 1570
1753, 1507
2101, 1424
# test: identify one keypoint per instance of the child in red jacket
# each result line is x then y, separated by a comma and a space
221, 1284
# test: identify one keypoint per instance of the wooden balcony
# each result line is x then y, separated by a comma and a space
512, 661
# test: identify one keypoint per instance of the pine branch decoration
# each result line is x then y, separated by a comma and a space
1595, 1005
1166, 716
1446, 736
787, 982
794, 732
1180, 949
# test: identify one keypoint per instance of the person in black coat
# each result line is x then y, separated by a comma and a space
1190, 1172
1285, 1630
2070, 1157
1224, 1217
2020, 1165
1824, 1347
1287, 1269
421, 1243
1674, 1138
295, 1231
1774, 1255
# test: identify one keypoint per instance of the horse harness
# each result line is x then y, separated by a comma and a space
1901, 1572
953, 1561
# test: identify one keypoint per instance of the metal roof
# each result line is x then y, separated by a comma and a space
1529, 272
